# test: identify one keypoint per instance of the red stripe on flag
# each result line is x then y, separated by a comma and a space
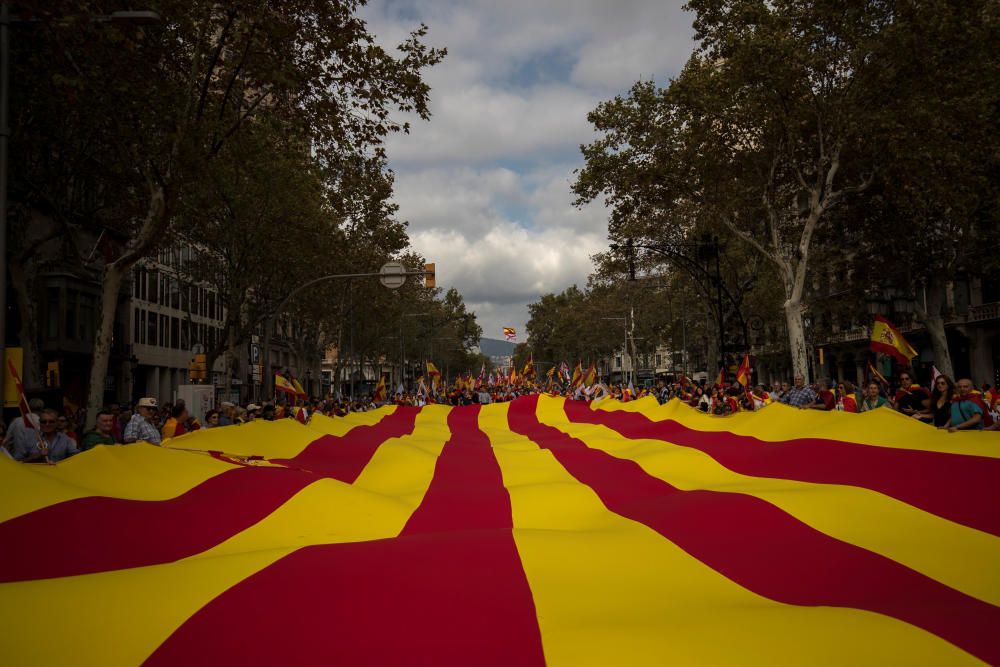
959, 488
344, 457
450, 590
766, 550
97, 534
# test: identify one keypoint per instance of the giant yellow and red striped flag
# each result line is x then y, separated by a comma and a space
541, 531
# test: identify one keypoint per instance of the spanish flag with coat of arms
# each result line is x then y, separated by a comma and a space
887, 339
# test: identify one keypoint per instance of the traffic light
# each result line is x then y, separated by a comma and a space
429, 281
198, 370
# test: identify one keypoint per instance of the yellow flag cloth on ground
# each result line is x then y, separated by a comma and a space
541, 531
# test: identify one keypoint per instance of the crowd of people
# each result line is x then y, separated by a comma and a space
48, 434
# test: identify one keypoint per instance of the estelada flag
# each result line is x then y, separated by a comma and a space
743, 374
539, 531
888, 340
379, 394
577, 375
282, 384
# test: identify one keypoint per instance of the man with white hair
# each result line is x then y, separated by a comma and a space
23, 432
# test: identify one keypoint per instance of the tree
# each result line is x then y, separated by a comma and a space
160, 104
765, 131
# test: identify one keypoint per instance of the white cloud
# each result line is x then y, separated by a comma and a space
486, 183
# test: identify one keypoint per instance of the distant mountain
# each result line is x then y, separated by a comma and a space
492, 347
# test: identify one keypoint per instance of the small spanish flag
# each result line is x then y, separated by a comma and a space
888, 340
282, 384
743, 374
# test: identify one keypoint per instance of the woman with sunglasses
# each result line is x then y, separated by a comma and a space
939, 411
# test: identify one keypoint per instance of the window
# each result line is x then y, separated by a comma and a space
52, 313
185, 335
175, 294
175, 333
154, 286
135, 325
163, 331
71, 315
211, 305
618, 362
88, 308
659, 361
185, 302
151, 326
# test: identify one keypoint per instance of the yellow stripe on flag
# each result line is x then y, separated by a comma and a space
610, 591
859, 516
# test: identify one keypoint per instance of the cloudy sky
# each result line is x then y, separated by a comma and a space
485, 184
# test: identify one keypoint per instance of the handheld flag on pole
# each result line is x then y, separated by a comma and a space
873, 374
434, 374
22, 404
529, 368
577, 375
888, 340
281, 384
743, 374
721, 380
379, 394
591, 375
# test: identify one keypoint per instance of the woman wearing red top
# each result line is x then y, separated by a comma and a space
849, 398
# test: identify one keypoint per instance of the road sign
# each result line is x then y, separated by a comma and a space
254, 353
392, 275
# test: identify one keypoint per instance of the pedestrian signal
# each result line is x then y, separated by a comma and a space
429, 281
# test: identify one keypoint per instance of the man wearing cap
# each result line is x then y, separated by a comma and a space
140, 427
252, 411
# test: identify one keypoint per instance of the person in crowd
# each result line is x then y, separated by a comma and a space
64, 426
252, 411
799, 396
911, 398
176, 423
825, 400
267, 413
140, 426
103, 433
967, 409
212, 418
873, 398
848, 401
23, 432
54, 446
938, 411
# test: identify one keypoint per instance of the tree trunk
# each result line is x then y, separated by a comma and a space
797, 339
110, 286
933, 321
